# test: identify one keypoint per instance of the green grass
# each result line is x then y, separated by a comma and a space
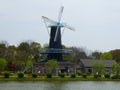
44, 78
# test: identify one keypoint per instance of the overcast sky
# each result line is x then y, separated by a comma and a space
97, 22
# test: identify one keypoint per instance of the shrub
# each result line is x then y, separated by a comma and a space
80, 74
97, 75
116, 76
73, 75
107, 75
88, 74
62, 75
6, 75
20, 75
42, 74
34, 75
84, 75
49, 75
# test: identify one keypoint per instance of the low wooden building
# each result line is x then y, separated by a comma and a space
63, 67
87, 64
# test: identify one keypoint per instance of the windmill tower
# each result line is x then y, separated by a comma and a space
55, 50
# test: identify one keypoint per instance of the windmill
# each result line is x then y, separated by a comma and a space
55, 50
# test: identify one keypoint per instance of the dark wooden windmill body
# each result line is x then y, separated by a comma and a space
55, 50
55, 45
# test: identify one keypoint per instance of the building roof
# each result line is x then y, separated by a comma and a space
43, 62
90, 62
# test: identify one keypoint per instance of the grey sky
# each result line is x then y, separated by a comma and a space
97, 22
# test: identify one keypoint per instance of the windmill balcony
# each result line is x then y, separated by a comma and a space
63, 51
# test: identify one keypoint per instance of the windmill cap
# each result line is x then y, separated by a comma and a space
55, 25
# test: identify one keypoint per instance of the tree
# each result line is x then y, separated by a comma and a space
78, 53
29, 65
45, 46
23, 52
31, 49
52, 65
27, 50
96, 55
10, 56
3, 64
98, 68
24, 46
106, 56
116, 68
116, 54
35, 47
3, 50
67, 57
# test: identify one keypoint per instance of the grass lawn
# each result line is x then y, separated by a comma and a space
44, 78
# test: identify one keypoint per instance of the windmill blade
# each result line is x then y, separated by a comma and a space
46, 27
56, 34
58, 23
67, 26
62, 31
49, 20
60, 14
